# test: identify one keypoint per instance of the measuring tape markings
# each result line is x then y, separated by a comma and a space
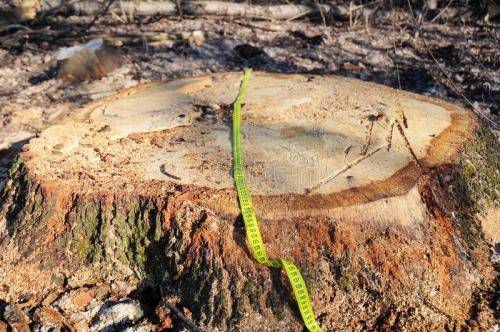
254, 237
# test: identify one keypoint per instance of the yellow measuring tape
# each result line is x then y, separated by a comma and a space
252, 228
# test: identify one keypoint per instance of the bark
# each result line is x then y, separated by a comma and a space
402, 252
194, 8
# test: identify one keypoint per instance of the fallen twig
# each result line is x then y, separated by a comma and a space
441, 12
14, 26
181, 316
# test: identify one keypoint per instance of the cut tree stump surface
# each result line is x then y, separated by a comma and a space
138, 187
297, 130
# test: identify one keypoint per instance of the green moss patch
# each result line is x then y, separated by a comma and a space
477, 183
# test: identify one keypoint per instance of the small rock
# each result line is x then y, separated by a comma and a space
117, 316
47, 319
83, 299
458, 78
198, 37
15, 318
80, 317
78, 301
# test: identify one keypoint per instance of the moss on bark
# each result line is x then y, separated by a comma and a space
476, 185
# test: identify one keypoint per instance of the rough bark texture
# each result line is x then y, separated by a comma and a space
415, 260
27, 9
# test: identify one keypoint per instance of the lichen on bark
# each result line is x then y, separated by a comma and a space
125, 233
24, 206
476, 184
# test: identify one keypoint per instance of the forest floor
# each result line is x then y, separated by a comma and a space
456, 61
387, 49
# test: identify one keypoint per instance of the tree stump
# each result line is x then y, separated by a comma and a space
138, 187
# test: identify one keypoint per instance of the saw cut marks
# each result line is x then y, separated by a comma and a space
295, 131
158, 108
